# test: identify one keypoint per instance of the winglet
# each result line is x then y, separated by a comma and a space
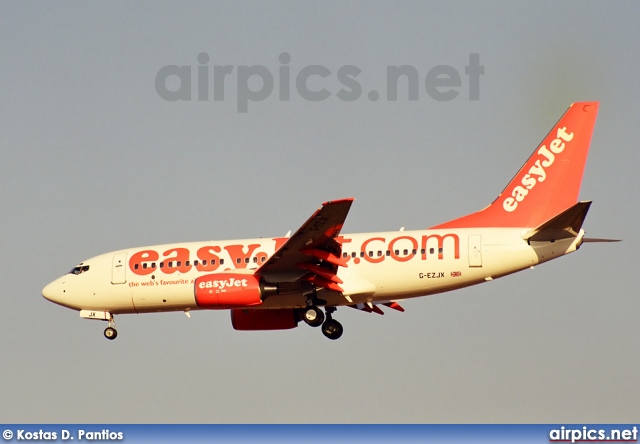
548, 183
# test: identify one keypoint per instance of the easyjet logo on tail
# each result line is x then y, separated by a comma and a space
537, 172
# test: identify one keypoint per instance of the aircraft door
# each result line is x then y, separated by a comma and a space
118, 271
475, 250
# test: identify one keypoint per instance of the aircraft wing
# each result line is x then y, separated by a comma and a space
312, 252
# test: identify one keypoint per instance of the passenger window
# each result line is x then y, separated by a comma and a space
431, 251
405, 252
221, 261
440, 250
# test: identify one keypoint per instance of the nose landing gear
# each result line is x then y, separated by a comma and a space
110, 332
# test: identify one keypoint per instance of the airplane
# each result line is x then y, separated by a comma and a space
275, 283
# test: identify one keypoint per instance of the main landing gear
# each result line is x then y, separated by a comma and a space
314, 317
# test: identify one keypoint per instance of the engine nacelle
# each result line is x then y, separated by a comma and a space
228, 290
276, 319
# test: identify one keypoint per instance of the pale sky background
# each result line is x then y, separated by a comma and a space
93, 160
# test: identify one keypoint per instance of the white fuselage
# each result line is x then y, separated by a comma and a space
382, 266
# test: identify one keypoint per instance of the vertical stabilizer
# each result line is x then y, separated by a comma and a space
548, 183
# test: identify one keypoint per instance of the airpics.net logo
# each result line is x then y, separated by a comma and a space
314, 83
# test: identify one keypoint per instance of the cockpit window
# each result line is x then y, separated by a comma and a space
79, 269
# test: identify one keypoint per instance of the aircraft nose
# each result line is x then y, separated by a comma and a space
55, 292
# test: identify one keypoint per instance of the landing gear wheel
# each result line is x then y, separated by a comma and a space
313, 316
332, 329
110, 333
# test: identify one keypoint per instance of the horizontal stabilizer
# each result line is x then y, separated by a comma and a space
593, 239
563, 226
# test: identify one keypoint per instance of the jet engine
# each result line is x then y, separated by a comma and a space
229, 290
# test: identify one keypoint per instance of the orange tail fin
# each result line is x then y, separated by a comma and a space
548, 183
